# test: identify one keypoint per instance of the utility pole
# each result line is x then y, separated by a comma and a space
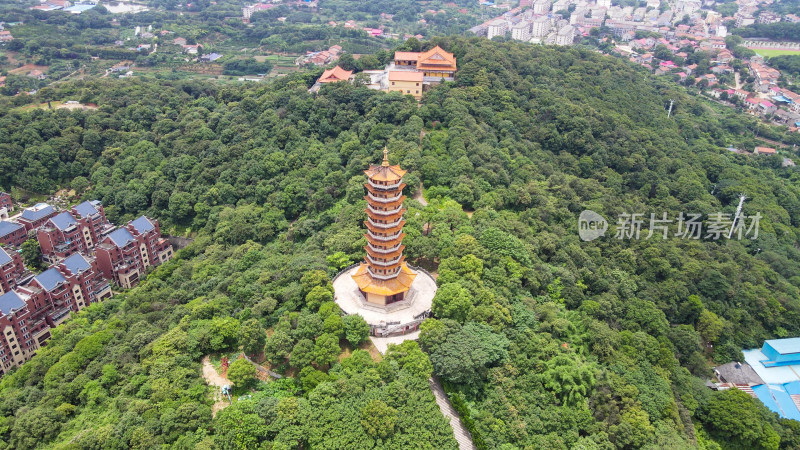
742, 198
669, 113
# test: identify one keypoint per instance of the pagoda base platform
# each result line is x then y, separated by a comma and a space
396, 318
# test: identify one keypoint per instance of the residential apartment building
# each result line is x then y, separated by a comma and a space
18, 343
35, 216
71, 232
565, 35
12, 233
125, 254
521, 31
5, 201
12, 270
541, 26
83, 272
497, 27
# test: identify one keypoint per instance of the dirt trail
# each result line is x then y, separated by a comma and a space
215, 379
418, 196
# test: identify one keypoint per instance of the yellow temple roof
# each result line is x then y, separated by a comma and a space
401, 283
385, 172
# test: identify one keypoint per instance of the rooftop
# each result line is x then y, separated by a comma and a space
87, 208
7, 228
385, 172
63, 221
121, 237
784, 346
37, 211
4, 258
76, 263
404, 75
142, 224
10, 301
335, 74
50, 279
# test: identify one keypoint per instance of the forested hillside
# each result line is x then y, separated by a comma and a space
543, 340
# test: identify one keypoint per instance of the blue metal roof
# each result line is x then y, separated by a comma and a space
784, 346
4, 258
7, 228
50, 278
76, 263
10, 300
777, 397
86, 209
40, 210
142, 225
63, 221
121, 237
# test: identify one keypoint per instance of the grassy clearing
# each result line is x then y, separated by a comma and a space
775, 52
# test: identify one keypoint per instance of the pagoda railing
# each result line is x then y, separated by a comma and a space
385, 238
384, 200
383, 263
382, 277
384, 250
384, 186
383, 225
379, 211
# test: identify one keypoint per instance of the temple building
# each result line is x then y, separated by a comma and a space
334, 75
435, 64
384, 278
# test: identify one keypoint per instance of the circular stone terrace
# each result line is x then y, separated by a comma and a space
397, 318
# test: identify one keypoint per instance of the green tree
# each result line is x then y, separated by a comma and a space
356, 329
378, 419
241, 372
452, 301
32, 254
326, 350
252, 337
467, 355
302, 354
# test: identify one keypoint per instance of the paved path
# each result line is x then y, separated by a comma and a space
382, 343
459, 431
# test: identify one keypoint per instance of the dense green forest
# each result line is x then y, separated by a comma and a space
542, 340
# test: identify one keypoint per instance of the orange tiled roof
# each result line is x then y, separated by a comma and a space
436, 57
404, 75
401, 283
406, 56
335, 74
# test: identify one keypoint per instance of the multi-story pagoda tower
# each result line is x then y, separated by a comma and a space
384, 278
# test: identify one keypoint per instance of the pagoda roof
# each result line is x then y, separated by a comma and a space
390, 243
401, 283
335, 74
385, 172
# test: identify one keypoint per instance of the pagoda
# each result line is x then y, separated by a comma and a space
384, 278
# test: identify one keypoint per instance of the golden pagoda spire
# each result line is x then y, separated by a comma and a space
385, 157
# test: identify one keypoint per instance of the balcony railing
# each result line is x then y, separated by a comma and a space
384, 200
385, 238
390, 262
380, 211
384, 250
384, 225
383, 277
60, 314
385, 186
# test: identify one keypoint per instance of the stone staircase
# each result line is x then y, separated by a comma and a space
460, 432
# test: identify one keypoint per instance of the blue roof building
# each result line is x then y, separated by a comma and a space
86, 208
76, 263
64, 221
7, 228
781, 352
142, 225
50, 279
37, 212
121, 237
10, 301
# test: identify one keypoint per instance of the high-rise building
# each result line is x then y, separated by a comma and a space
384, 278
